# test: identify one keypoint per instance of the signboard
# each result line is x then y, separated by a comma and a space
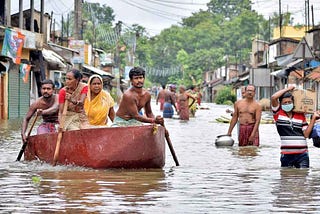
77, 45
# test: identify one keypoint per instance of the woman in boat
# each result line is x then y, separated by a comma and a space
183, 103
98, 104
75, 92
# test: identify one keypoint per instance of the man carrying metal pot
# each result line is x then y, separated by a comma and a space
248, 112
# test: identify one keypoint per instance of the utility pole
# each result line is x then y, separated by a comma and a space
61, 42
312, 16
280, 19
118, 61
305, 16
77, 19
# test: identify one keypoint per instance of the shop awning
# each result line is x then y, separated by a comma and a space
54, 58
279, 73
97, 71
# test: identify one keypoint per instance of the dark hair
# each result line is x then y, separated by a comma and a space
76, 73
47, 81
136, 71
250, 85
286, 95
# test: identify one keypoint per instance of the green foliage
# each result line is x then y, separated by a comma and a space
225, 96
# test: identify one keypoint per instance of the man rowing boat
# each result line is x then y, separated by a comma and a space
133, 100
47, 106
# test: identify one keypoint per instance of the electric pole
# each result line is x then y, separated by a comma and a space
77, 19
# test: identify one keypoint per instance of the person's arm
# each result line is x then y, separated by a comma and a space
62, 97
234, 119
26, 120
193, 99
51, 109
257, 123
111, 114
308, 131
173, 101
275, 96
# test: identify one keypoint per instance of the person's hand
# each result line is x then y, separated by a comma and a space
316, 115
159, 120
68, 97
24, 137
291, 87
39, 112
251, 139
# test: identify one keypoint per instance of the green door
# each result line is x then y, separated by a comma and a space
18, 94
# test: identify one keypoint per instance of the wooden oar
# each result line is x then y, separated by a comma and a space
61, 127
24, 145
170, 146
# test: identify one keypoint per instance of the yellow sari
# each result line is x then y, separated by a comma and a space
97, 109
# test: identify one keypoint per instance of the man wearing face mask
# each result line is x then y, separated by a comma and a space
292, 128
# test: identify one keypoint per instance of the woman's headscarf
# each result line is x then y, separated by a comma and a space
89, 82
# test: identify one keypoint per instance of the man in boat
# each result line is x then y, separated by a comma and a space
133, 100
248, 112
169, 102
47, 106
292, 128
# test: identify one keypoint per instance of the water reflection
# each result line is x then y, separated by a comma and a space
295, 192
248, 151
209, 180
96, 190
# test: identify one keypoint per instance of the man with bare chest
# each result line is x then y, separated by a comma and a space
169, 102
47, 106
133, 100
248, 112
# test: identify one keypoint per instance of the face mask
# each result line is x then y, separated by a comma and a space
287, 107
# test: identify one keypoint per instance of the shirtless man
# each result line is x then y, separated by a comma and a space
133, 100
160, 97
169, 102
248, 112
47, 106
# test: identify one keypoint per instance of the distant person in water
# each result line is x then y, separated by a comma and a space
135, 99
169, 102
160, 97
183, 103
248, 112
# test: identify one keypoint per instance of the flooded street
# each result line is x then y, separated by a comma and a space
209, 180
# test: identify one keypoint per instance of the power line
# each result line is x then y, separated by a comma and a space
167, 5
149, 11
184, 3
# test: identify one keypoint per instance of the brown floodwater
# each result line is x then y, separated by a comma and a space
209, 180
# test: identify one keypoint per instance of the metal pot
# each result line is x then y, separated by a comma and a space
224, 140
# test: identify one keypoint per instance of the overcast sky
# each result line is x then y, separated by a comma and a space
156, 15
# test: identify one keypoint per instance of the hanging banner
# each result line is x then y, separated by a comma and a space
12, 45
24, 72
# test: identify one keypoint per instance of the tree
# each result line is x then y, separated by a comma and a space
228, 9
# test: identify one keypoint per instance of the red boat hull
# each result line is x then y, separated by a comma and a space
101, 148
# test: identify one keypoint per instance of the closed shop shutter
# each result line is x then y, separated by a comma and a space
18, 94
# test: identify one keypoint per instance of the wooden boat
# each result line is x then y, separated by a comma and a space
101, 148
